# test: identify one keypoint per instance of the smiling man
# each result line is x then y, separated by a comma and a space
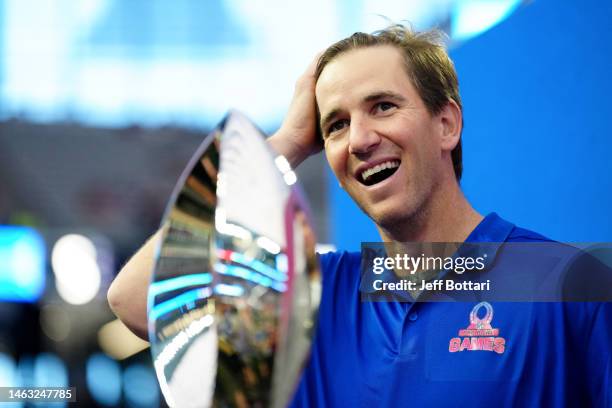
386, 109
391, 121
389, 150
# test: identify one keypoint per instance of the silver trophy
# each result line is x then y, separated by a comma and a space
235, 292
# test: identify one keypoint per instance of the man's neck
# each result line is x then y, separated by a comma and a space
447, 217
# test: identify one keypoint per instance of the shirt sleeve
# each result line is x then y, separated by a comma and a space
599, 357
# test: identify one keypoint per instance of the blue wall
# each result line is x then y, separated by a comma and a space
537, 93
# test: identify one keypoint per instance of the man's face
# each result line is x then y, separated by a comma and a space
380, 140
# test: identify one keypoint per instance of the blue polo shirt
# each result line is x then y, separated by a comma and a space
388, 354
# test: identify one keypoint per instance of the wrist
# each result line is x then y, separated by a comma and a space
282, 144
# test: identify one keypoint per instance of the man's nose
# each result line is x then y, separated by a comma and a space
363, 138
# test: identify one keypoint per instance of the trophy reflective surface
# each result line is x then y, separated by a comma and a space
233, 300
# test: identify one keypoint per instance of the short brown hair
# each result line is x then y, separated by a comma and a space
427, 64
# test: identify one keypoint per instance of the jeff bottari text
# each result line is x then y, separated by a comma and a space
434, 285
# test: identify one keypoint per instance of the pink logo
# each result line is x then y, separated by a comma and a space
479, 335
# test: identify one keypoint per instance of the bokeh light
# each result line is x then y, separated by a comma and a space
140, 386
55, 322
77, 274
22, 264
103, 376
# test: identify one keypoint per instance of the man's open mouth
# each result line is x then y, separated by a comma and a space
378, 173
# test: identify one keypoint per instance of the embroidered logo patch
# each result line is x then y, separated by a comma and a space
479, 335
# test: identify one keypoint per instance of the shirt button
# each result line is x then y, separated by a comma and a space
413, 316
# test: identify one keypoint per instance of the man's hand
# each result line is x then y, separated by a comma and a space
298, 137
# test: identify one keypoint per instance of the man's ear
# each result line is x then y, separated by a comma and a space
450, 124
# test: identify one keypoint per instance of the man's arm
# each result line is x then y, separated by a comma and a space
127, 295
296, 139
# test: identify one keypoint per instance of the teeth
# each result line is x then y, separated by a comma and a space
379, 167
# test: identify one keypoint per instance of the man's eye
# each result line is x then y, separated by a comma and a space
384, 106
336, 126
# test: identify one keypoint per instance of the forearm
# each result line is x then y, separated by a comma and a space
281, 145
127, 295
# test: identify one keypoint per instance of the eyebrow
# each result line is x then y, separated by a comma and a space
368, 99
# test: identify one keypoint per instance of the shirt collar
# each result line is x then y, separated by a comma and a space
492, 228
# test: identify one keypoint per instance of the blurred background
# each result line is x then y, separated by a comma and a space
103, 102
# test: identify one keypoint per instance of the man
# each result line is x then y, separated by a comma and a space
379, 106
387, 109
